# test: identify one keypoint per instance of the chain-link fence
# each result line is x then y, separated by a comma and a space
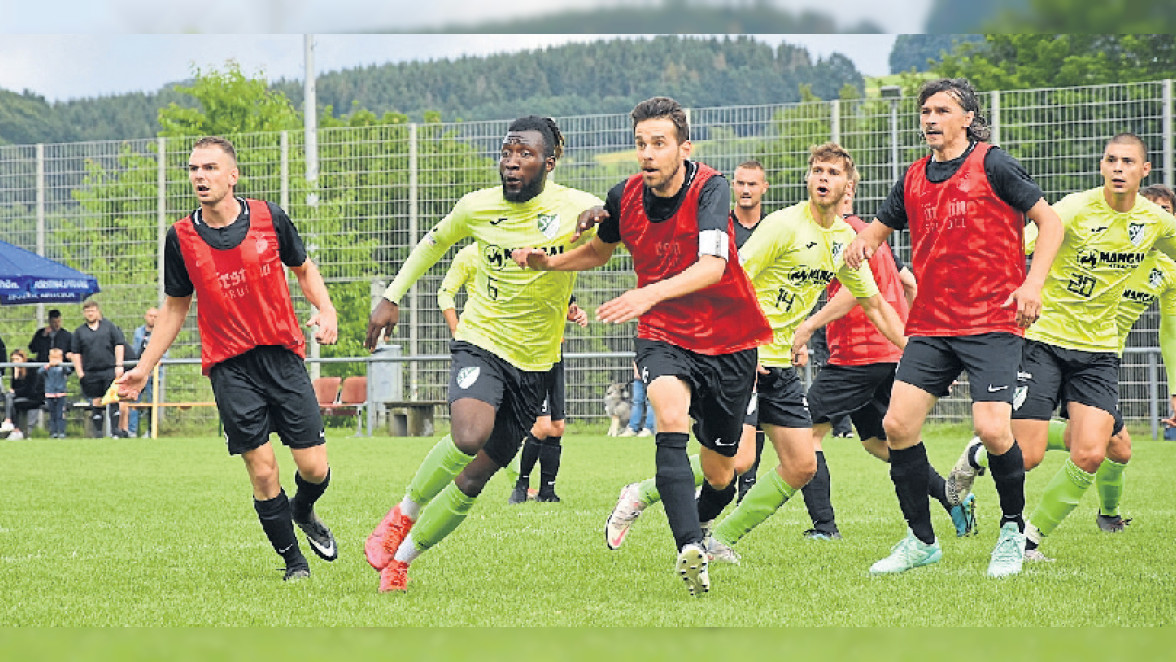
104, 207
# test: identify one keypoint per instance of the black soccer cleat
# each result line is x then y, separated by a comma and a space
547, 497
518, 494
297, 570
320, 538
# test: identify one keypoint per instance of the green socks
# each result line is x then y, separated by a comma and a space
437, 470
1109, 481
764, 498
441, 517
1057, 435
647, 489
1062, 494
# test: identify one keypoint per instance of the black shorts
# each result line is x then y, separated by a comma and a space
554, 403
1051, 376
752, 416
781, 399
720, 387
96, 382
516, 395
266, 390
861, 391
990, 359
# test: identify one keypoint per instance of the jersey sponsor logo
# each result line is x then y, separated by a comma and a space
1092, 258
498, 257
803, 275
1137, 296
548, 225
498, 221
1135, 233
467, 376
810, 244
1098, 228
1081, 284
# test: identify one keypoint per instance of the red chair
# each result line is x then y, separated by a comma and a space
326, 390
351, 400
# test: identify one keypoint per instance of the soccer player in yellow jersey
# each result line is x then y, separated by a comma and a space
507, 340
790, 259
1071, 356
543, 442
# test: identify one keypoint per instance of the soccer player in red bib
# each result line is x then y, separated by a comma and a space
964, 205
672, 216
232, 253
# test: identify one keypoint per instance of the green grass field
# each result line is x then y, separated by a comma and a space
162, 533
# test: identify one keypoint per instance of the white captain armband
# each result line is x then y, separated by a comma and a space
713, 242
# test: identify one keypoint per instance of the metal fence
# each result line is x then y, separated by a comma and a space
104, 207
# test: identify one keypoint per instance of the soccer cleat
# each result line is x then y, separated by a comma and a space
1009, 554
628, 508
321, 540
910, 552
963, 474
299, 569
964, 517
817, 534
381, 545
1112, 523
394, 577
1035, 556
547, 497
518, 494
719, 551
692, 568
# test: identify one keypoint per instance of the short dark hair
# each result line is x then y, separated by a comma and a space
965, 95
663, 107
1128, 138
1159, 191
831, 151
216, 141
751, 164
54, 313
553, 140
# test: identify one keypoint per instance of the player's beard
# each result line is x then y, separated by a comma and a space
528, 191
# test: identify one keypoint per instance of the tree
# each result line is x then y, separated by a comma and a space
919, 52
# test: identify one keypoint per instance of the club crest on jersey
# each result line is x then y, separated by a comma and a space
549, 225
836, 249
1135, 233
1155, 278
467, 376
261, 245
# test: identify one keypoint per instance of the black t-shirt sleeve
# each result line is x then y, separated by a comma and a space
893, 210
290, 246
176, 281
117, 335
714, 205
609, 229
1010, 181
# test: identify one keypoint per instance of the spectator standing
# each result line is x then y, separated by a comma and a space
48, 337
97, 350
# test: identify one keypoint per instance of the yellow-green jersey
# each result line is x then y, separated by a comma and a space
1155, 279
517, 314
461, 273
790, 259
1100, 250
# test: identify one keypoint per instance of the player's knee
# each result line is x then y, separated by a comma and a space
1120, 448
1032, 458
472, 482
898, 429
1088, 459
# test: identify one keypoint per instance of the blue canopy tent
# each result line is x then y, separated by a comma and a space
26, 277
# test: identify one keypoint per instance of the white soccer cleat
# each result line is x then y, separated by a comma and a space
692, 568
720, 552
959, 482
628, 508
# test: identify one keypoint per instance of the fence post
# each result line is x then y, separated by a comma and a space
1169, 166
413, 237
284, 171
835, 121
1153, 388
40, 194
994, 118
160, 214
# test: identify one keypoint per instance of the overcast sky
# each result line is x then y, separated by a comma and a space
72, 49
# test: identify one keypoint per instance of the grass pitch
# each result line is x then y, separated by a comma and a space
163, 533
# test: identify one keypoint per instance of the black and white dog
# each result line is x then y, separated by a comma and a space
618, 404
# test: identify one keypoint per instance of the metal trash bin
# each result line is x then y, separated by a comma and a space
385, 380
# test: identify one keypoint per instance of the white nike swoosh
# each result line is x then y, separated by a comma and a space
329, 550
992, 389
